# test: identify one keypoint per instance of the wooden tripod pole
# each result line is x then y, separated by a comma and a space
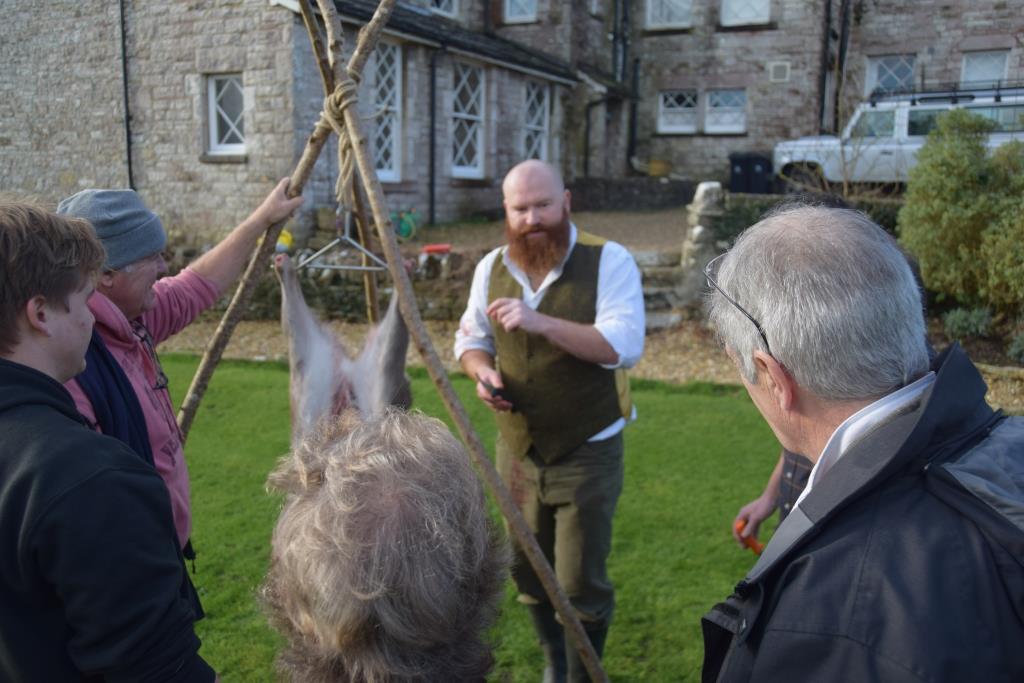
407, 305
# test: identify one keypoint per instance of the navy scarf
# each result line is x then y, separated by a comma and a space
114, 403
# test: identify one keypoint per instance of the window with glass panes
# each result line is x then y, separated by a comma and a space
384, 108
226, 109
726, 111
889, 73
467, 121
984, 69
446, 7
744, 12
669, 13
535, 135
520, 10
677, 111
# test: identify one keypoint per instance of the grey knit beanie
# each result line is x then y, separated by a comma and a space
128, 230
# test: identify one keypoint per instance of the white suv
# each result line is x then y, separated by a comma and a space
880, 142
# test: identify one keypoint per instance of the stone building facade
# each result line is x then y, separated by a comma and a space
203, 105
724, 76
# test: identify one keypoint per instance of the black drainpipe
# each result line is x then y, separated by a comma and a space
844, 39
488, 19
127, 112
431, 218
617, 63
634, 99
826, 40
586, 135
624, 29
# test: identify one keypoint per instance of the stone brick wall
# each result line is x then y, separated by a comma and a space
173, 47
937, 33
49, 123
707, 56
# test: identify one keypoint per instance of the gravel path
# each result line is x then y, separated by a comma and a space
682, 354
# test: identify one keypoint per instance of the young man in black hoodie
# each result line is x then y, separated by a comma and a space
91, 583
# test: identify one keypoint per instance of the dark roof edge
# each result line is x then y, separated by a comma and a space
421, 25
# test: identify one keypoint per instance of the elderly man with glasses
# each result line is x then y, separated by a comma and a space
123, 391
902, 558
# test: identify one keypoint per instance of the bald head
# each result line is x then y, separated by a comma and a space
533, 174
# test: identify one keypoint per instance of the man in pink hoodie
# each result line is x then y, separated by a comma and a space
123, 392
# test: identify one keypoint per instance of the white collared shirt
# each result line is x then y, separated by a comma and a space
860, 423
620, 307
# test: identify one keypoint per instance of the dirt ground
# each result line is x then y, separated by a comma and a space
682, 354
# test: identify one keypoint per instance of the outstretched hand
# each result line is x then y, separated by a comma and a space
277, 206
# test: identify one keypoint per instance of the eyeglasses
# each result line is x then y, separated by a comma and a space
142, 333
709, 272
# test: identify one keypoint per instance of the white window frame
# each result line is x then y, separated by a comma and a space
654, 23
393, 110
710, 112
477, 170
525, 18
543, 127
729, 16
452, 4
874, 62
214, 146
663, 125
980, 53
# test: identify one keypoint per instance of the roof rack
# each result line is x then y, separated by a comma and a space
949, 92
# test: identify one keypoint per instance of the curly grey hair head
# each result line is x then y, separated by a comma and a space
835, 296
385, 564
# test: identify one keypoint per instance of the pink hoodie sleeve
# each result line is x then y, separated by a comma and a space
82, 403
179, 300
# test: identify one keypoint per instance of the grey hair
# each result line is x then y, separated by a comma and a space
835, 296
385, 564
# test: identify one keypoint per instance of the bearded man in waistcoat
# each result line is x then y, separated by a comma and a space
553, 320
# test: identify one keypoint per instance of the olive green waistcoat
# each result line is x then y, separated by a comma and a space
559, 400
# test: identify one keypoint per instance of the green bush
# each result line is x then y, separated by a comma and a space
743, 210
960, 219
961, 323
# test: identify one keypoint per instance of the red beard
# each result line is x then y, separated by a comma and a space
538, 254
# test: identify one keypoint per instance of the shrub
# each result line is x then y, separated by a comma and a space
947, 207
961, 220
743, 210
961, 323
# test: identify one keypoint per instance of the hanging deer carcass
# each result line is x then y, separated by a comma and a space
325, 379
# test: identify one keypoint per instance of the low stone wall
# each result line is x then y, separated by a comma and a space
630, 194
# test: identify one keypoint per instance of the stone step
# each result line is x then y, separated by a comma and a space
662, 319
659, 257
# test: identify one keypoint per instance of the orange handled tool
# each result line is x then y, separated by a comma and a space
749, 541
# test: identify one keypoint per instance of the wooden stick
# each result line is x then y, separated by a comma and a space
316, 40
369, 276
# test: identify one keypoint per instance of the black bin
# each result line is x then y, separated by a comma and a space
750, 172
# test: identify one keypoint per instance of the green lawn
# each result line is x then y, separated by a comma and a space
696, 454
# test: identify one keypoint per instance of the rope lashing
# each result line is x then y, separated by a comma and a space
345, 95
